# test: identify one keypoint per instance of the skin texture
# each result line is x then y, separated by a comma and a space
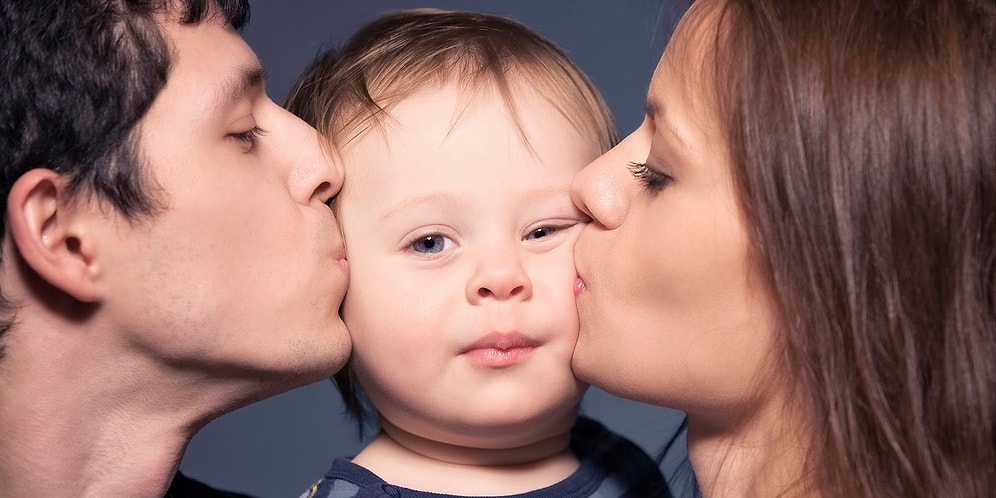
457, 232
244, 268
673, 310
682, 302
133, 334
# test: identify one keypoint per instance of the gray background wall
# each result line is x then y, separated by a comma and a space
278, 447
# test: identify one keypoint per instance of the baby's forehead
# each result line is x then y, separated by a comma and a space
516, 94
436, 114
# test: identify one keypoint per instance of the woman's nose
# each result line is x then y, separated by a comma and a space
600, 189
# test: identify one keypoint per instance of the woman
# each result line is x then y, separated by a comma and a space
797, 247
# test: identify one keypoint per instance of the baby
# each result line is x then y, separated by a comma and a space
460, 134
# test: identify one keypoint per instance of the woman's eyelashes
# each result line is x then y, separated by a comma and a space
651, 179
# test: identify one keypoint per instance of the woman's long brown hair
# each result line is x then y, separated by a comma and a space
863, 140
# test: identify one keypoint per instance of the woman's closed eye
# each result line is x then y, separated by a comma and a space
652, 179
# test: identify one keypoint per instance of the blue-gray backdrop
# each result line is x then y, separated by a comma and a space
278, 447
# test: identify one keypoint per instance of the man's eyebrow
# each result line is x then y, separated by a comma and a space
245, 79
657, 113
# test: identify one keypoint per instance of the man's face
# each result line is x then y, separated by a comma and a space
244, 270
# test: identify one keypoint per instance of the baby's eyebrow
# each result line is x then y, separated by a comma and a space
453, 201
436, 198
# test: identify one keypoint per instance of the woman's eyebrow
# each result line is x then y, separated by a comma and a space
657, 112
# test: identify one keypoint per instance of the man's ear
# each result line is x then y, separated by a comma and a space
50, 231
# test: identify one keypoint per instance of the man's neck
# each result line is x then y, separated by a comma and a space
105, 423
92, 454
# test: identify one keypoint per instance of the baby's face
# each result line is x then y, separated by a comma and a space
460, 241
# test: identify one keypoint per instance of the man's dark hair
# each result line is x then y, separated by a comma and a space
78, 75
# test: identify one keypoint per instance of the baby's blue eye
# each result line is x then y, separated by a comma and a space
431, 244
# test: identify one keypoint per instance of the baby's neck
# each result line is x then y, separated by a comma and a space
406, 460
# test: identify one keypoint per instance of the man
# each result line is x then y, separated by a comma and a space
168, 254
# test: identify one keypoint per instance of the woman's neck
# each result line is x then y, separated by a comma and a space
761, 455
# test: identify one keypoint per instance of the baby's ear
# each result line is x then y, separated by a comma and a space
51, 232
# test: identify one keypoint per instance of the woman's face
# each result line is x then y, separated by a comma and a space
672, 310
